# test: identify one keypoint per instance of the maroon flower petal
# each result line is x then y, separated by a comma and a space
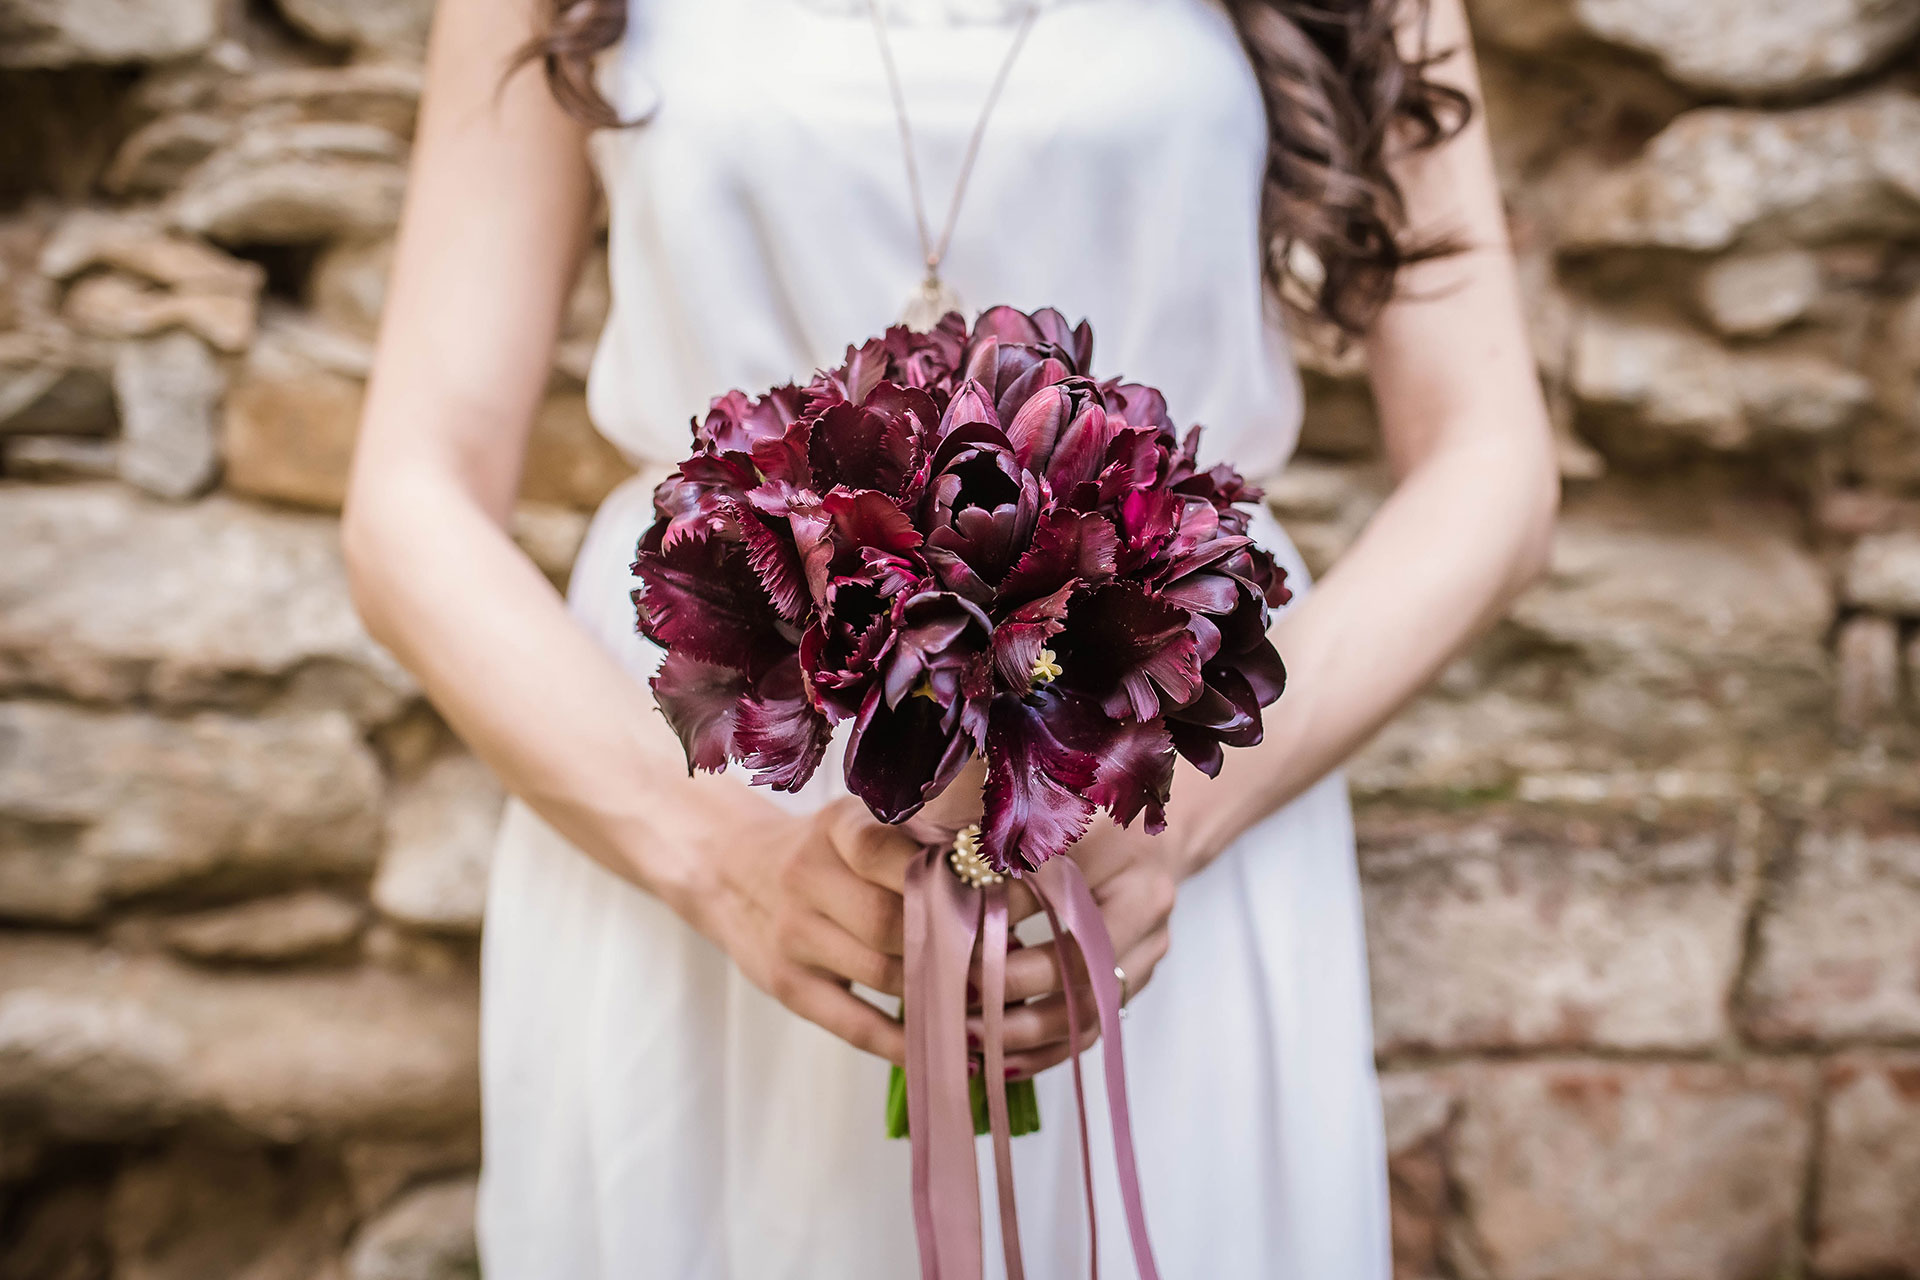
777, 733
1068, 546
701, 598
970, 406
776, 562
898, 758
1136, 773
1021, 633
1036, 792
1264, 670
1198, 747
868, 518
1134, 760
936, 636
873, 445
1131, 651
700, 701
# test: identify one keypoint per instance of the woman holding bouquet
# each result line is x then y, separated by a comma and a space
682, 1070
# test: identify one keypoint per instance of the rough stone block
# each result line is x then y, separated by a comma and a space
1867, 657
440, 830
1531, 931
97, 807
1867, 1216
1883, 574
64, 33
169, 390
105, 596
277, 930
1599, 1170
1717, 175
101, 1045
1718, 46
1837, 957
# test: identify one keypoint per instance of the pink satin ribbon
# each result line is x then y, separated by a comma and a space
944, 917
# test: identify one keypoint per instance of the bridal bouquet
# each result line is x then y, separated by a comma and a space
964, 544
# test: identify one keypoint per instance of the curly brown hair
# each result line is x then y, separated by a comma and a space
1340, 95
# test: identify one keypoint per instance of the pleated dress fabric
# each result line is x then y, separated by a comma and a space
650, 1113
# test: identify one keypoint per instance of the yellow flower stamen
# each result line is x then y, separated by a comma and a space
1046, 668
925, 690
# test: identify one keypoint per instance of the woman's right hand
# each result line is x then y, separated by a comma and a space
807, 904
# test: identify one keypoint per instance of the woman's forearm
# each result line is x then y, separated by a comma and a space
560, 721
1462, 534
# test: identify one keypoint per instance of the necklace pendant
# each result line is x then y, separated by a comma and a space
932, 300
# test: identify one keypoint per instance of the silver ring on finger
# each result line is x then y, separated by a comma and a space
1126, 989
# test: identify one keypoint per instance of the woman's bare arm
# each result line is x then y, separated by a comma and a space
1465, 529
1468, 523
496, 219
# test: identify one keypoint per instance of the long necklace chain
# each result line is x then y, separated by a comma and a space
934, 298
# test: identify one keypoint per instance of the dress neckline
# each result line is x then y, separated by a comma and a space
935, 13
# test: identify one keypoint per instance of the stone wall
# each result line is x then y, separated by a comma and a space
1643, 872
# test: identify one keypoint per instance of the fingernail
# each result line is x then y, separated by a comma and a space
1013, 1073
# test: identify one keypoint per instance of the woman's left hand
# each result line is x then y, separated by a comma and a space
1135, 879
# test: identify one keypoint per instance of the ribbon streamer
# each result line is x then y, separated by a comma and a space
944, 918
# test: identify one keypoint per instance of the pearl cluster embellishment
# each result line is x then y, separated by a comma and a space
966, 861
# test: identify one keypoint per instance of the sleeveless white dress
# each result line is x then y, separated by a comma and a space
648, 1112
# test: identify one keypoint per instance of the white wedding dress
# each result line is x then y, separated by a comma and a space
648, 1112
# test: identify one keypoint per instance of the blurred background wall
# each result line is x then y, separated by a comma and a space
1643, 872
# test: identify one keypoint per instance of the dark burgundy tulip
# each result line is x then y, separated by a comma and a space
1054, 757
980, 505
875, 444
1062, 433
701, 597
1133, 653
1069, 549
735, 424
898, 758
1138, 406
691, 501
934, 684
1043, 328
700, 701
840, 651
1035, 800
778, 732
936, 649
929, 361
720, 713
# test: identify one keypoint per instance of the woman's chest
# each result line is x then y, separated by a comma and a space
1101, 96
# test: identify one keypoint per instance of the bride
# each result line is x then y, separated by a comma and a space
680, 1076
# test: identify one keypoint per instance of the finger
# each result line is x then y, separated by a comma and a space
1025, 1066
872, 850
1042, 1023
819, 943
876, 916
1131, 913
1021, 902
1031, 972
1139, 965
826, 1003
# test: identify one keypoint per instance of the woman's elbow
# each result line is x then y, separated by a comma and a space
1534, 552
367, 541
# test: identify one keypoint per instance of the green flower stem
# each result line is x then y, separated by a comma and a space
1023, 1105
